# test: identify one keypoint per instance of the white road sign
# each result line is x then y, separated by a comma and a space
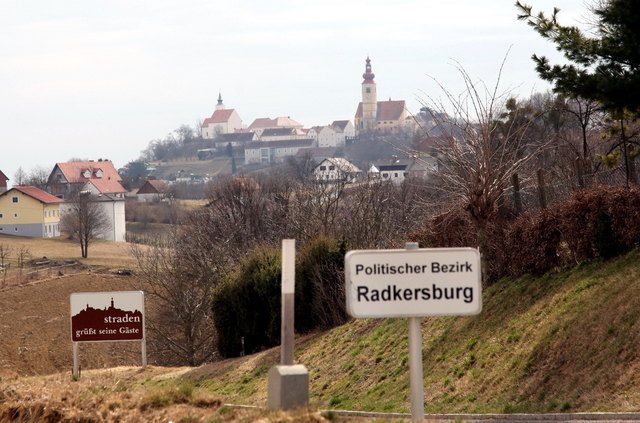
413, 283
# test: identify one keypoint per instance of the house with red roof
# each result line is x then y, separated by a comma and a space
153, 190
222, 121
29, 211
259, 125
99, 178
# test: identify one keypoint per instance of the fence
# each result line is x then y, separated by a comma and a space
22, 275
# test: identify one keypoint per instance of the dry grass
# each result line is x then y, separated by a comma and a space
128, 395
101, 253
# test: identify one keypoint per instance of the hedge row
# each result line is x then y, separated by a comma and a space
600, 222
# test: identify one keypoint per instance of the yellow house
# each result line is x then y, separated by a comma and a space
29, 211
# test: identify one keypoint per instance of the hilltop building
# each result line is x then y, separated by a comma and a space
377, 116
222, 121
261, 124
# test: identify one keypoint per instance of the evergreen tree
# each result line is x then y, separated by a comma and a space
605, 66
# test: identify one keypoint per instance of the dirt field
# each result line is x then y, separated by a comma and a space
35, 327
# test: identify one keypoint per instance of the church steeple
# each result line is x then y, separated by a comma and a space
369, 99
368, 75
219, 106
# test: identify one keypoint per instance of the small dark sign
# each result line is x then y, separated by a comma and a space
107, 316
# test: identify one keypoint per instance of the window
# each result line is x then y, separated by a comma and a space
385, 175
14, 199
15, 215
323, 168
1, 215
395, 174
368, 89
332, 167
15, 229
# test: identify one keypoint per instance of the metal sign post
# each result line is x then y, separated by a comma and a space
416, 373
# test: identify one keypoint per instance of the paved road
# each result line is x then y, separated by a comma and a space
504, 418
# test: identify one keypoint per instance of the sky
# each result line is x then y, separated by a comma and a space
101, 79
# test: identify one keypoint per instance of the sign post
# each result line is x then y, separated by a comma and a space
413, 283
106, 317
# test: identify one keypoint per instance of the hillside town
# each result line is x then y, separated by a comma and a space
37, 211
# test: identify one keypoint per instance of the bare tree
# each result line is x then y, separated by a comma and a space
85, 218
478, 154
5, 252
38, 177
20, 176
181, 328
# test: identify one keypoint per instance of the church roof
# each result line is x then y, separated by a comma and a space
387, 110
219, 116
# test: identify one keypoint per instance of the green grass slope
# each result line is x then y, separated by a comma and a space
566, 341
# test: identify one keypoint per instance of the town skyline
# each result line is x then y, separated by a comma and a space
102, 82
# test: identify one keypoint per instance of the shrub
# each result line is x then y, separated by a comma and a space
532, 243
320, 285
246, 305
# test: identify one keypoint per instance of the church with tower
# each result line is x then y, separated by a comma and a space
377, 116
222, 121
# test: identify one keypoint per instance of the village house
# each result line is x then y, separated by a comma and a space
29, 211
264, 152
261, 124
336, 169
153, 190
99, 178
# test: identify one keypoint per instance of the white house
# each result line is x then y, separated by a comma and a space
98, 177
344, 131
327, 137
336, 169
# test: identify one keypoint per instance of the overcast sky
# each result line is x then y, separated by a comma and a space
101, 79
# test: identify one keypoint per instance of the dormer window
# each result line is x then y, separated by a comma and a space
99, 173
86, 173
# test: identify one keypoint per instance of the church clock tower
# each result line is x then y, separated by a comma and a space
369, 99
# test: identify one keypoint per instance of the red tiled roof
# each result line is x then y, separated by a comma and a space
38, 194
154, 186
72, 171
107, 187
219, 116
387, 110
3, 179
263, 123
107, 184
390, 110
